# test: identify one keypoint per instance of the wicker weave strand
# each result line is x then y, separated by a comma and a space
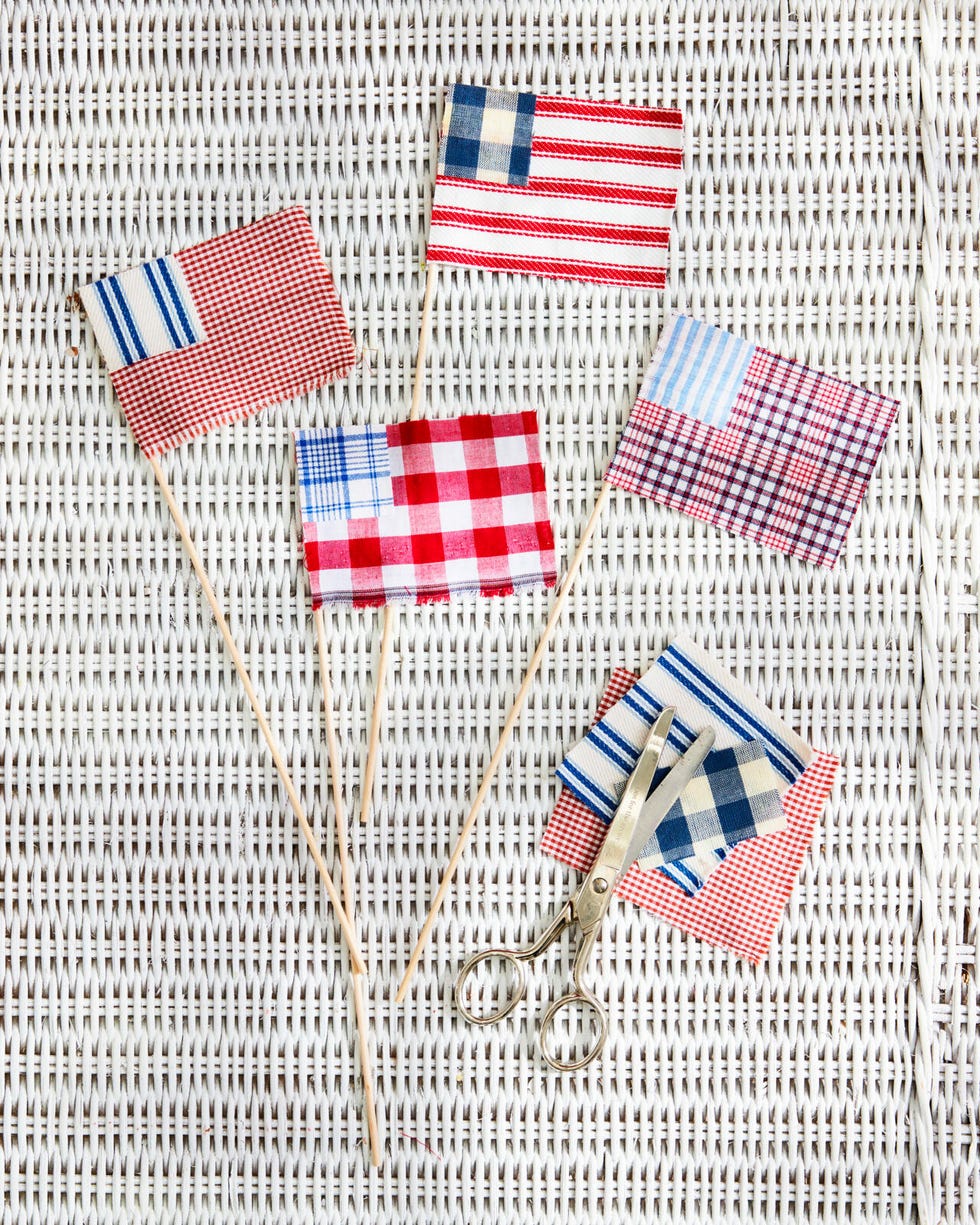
931, 603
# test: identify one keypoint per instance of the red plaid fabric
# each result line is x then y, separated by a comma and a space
273, 329
470, 515
788, 469
742, 901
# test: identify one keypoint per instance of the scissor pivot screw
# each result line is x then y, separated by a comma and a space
599, 885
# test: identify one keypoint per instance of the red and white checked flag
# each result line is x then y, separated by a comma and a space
556, 187
424, 510
215, 333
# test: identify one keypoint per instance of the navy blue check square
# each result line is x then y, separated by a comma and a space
486, 135
733, 796
343, 473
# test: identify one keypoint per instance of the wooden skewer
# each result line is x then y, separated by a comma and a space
388, 626
340, 811
498, 754
266, 730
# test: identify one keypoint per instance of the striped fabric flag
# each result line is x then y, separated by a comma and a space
556, 187
758, 444
704, 696
740, 906
424, 510
215, 333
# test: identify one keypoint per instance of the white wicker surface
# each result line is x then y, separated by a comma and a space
176, 1023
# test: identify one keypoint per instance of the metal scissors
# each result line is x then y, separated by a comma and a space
634, 821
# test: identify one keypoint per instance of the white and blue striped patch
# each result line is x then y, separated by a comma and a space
704, 696
142, 313
697, 370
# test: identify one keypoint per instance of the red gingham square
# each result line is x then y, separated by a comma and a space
742, 901
470, 514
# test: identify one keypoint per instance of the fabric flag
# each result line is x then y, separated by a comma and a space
758, 444
556, 187
704, 696
215, 333
424, 510
740, 906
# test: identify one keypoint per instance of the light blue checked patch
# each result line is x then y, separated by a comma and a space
698, 370
142, 312
343, 473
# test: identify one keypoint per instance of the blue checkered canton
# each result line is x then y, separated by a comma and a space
733, 796
486, 135
343, 473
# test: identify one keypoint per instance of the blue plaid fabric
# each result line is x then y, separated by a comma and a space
733, 796
486, 135
343, 473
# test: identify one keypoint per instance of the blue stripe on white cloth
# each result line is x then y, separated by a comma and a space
159, 290
712, 696
343, 473
114, 323
126, 315
176, 287
583, 787
698, 370
704, 696
143, 312
680, 736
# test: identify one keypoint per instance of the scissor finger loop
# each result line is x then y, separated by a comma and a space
516, 963
584, 1002
516, 960
640, 810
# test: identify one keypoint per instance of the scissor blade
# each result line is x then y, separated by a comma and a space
668, 793
612, 853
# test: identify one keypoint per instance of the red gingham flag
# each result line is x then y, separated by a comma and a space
556, 187
215, 333
739, 906
752, 442
424, 510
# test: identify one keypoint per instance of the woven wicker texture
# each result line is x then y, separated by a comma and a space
176, 1018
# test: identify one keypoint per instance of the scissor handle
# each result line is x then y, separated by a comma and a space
516, 961
579, 999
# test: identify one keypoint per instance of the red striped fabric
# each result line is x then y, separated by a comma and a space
544, 227
597, 204
616, 193
593, 151
741, 903
584, 108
